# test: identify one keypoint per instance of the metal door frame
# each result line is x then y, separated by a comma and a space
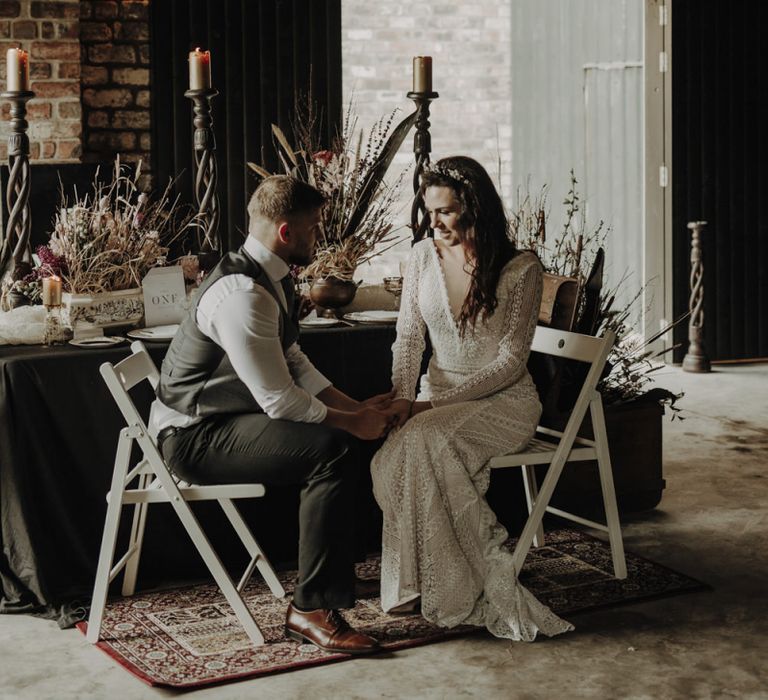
657, 260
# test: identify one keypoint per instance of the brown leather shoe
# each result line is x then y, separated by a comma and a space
328, 630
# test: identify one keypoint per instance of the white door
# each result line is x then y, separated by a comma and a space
578, 102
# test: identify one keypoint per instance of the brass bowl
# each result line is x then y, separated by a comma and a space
332, 293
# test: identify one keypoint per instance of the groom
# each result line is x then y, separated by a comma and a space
238, 401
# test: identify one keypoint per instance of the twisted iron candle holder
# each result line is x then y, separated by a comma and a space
422, 147
696, 359
15, 251
206, 197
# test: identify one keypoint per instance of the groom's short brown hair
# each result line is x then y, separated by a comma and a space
280, 196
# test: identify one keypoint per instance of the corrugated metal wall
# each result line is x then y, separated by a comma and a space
577, 102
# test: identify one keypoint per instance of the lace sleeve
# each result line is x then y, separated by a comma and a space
521, 317
409, 345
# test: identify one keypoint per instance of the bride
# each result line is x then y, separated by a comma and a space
478, 299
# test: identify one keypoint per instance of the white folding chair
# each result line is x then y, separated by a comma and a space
558, 448
154, 483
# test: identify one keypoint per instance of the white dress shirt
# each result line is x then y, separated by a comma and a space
243, 319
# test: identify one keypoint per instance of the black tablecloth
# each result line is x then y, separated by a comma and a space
58, 434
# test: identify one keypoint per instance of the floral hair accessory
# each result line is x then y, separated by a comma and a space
451, 173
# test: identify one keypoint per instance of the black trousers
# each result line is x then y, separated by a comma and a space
253, 448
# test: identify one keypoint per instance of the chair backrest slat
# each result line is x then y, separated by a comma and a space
134, 369
137, 347
573, 346
126, 374
584, 348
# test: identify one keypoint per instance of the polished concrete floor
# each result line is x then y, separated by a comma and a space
712, 524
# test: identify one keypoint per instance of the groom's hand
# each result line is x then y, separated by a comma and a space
370, 424
380, 401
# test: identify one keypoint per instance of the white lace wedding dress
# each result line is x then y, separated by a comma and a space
441, 540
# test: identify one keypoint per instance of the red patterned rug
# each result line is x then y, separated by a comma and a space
187, 638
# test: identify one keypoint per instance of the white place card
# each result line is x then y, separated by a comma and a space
165, 296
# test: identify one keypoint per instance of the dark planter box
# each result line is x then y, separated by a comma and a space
634, 441
634, 437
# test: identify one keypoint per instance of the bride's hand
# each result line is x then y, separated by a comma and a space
400, 411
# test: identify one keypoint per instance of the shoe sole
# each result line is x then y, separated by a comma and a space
299, 637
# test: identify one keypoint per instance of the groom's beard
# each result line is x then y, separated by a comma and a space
302, 258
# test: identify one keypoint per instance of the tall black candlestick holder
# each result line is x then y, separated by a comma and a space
15, 252
206, 197
422, 147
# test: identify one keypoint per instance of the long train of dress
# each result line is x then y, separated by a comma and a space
441, 540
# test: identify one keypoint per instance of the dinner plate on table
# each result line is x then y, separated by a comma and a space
318, 322
154, 332
372, 316
98, 341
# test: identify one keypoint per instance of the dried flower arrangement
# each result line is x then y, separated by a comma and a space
109, 239
572, 252
357, 217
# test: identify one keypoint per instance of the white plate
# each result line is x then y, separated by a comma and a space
100, 341
372, 316
154, 333
315, 322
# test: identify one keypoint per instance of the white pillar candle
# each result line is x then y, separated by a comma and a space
422, 74
17, 62
199, 70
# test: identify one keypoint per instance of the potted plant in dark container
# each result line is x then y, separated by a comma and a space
633, 407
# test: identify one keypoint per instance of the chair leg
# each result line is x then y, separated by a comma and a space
531, 491
136, 539
536, 517
608, 489
218, 571
257, 554
203, 545
109, 539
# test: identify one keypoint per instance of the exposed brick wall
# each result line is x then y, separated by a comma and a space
49, 31
89, 70
470, 42
114, 38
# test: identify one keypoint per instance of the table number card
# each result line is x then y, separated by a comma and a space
165, 296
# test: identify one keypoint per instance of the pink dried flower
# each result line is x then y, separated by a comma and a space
323, 157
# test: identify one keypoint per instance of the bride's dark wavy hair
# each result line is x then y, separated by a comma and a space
486, 230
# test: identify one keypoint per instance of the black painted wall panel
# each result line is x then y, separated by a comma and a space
719, 113
266, 54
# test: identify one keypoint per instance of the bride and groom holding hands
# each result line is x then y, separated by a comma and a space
238, 401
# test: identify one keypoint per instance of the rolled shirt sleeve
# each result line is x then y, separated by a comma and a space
244, 319
304, 373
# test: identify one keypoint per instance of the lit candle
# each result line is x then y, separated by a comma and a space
17, 61
52, 291
199, 70
422, 73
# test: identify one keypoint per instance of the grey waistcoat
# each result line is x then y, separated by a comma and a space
196, 377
